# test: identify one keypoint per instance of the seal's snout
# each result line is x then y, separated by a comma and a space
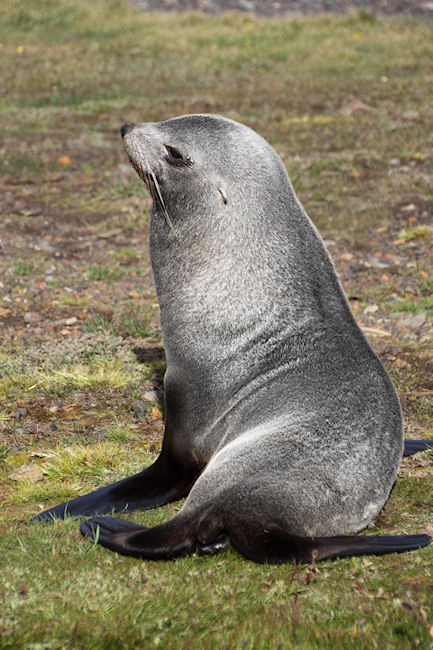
126, 128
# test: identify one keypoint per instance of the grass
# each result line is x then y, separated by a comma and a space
98, 272
125, 255
24, 267
111, 374
73, 73
132, 322
415, 306
418, 232
230, 64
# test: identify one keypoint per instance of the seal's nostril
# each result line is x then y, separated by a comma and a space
126, 128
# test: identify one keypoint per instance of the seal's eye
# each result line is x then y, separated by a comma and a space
176, 156
174, 153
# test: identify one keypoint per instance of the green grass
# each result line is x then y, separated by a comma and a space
101, 272
415, 306
118, 433
66, 300
132, 322
25, 267
418, 232
72, 73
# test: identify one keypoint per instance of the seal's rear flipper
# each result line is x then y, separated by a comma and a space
158, 484
413, 446
169, 540
177, 538
276, 546
339, 547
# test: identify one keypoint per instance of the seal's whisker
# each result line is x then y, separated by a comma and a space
159, 196
164, 209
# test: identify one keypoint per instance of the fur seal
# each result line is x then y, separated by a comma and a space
282, 427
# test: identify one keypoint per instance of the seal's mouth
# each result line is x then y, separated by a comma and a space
144, 171
149, 177
143, 174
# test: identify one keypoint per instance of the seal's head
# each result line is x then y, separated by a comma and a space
197, 165
229, 241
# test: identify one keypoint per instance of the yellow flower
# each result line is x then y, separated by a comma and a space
65, 161
20, 49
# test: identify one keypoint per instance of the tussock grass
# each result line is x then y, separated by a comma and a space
68, 300
96, 373
113, 375
118, 433
72, 470
418, 232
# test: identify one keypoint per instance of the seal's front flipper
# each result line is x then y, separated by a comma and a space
158, 484
169, 540
413, 446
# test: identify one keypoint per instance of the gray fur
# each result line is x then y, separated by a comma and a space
270, 384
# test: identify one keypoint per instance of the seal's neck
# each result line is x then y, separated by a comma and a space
228, 284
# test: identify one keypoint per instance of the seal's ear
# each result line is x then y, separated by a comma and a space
222, 191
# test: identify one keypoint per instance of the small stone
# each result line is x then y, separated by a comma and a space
31, 473
413, 322
31, 212
32, 317
410, 207
376, 263
427, 337
371, 309
71, 321
150, 396
32, 428
139, 407
53, 426
109, 233
44, 245
356, 106
346, 257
